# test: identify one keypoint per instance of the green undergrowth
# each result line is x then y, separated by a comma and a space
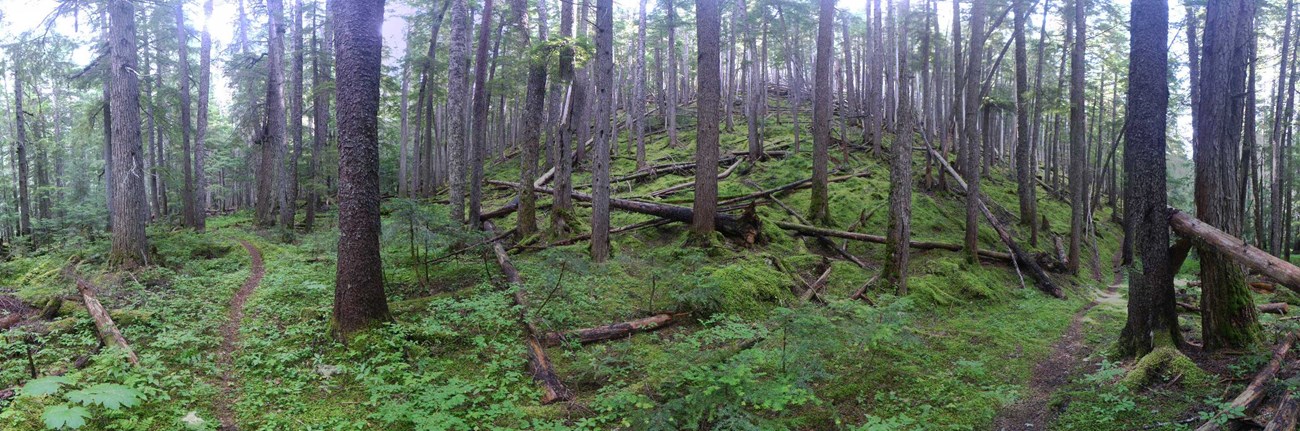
748, 355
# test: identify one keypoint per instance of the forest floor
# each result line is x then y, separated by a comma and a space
959, 352
1055, 371
230, 337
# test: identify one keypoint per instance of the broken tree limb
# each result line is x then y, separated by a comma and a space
539, 363
587, 236
817, 285
613, 331
877, 239
745, 227
687, 185
1045, 282
1284, 272
821, 238
1272, 307
1257, 387
108, 332
1284, 418
804, 183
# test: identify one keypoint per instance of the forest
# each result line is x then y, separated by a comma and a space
862, 215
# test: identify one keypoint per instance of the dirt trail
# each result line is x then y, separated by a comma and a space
1032, 412
230, 338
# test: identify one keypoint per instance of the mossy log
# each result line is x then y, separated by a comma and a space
691, 184
1284, 272
1045, 283
745, 227
613, 331
877, 239
1272, 307
1258, 386
108, 332
538, 362
804, 183
1284, 418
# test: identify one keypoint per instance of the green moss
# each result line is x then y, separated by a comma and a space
745, 287
949, 280
1165, 362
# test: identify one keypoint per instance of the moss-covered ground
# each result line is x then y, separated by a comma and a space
950, 355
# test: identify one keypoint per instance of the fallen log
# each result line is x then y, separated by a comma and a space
1272, 307
1284, 418
538, 362
10, 320
1254, 392
654, 171
817, 285
804, 183
587, 236
687, 185
1284, 272
612, 332
745, 227
821, 238
108, 332
877, 239
1045, 283
513, 204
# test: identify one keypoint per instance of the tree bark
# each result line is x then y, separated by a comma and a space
129, 245
189, 206
478, 140
359, 299
108, 332
457, 91
1078, 144
604, 140
971, 150
708, 34
819, 208
1152, 316
900, 171
1229, 320
201, 127
613, 331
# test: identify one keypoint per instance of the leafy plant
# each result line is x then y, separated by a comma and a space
108, 396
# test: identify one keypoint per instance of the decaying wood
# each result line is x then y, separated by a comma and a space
10, 320
108, 332
613, 331
817, 285
1284, 418
821, 238
1272, 307
877, 239
1045, 282
804, 183
1284, 272
538, 362
587, 236
654, 171
745, 227
691, 184
1255, 391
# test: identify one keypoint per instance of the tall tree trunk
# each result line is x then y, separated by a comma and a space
1152, 316
1078, 145
20, 154
290, 187
1276, 133
457, 90
670, 7
359, 300
970, 153
1024, 170
478, 143
819, 208
1229, 318
201, 130
899, 237
189, 210
638, 102
129, 245
320, 125
532, 119
708, 31
603, 139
